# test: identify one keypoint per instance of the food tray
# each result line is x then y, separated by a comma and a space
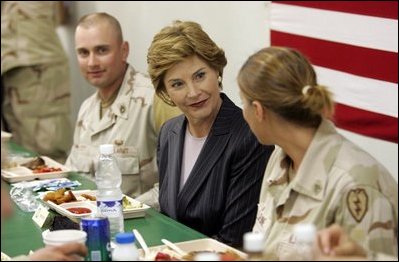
127, 213
199, 245
21, 173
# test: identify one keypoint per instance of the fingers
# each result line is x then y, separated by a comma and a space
349, 248
74, 258
345, 249
329, 238
73, 249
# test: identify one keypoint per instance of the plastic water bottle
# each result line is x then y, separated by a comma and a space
254, 244
125, 249
305, 236
109, 194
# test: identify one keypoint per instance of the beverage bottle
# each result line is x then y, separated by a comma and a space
305, 237
98, 238
254, 244
109, 195
125, 249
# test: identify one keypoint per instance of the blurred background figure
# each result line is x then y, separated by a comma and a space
35, 77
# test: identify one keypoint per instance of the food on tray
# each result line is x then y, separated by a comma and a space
38, 165
163, 257
34, 163
228, 255
60, 196
168, 255
79, 210
23, 168
46, 169
89, 197
127, 204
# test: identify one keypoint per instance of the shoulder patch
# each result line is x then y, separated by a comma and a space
357, 202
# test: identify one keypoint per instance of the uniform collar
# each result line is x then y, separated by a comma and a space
312, 175
318, 160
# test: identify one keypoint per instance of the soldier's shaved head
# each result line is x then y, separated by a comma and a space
93, 19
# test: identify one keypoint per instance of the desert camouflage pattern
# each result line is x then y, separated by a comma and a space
337, 182
35, 76
129, 124
28, 35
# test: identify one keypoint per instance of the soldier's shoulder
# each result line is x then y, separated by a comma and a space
88, 103
354, 166
143, 88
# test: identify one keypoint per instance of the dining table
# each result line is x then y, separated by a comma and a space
20, 234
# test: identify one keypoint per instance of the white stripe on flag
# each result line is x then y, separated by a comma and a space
359, 30
361, 92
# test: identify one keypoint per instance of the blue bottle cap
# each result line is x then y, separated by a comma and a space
123, 238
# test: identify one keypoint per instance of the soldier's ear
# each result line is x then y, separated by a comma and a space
259, 110
125, 50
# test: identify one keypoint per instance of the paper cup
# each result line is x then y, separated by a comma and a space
60, 237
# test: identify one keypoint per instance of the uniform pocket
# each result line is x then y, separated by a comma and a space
128, 159
79, 159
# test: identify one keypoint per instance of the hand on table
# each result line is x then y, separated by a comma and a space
66, 252
334, 242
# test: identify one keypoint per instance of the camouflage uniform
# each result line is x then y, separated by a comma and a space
336, 182
35, 73
128, 124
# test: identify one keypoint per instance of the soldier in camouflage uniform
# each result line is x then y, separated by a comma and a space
35, 74
122, 111
314, 175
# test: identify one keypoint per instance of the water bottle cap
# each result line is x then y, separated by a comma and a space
107, 149
254, 242
123, 238
305, 232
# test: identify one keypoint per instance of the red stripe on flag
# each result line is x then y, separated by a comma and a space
385, 9
361, 61
366, 122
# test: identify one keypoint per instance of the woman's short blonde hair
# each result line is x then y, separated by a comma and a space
175, 43
284, 81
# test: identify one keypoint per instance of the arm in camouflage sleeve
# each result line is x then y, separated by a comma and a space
368, 217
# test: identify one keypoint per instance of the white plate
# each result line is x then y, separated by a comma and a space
21, 173
199, 245
127, 213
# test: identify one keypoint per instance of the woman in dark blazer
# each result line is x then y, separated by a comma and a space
210, 165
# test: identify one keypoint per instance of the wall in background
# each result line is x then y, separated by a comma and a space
240, 28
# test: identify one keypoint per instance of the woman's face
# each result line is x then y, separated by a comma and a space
193, 86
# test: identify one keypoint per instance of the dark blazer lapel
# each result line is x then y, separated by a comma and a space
210, 154
175, 153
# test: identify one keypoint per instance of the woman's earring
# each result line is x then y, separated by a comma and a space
220, 81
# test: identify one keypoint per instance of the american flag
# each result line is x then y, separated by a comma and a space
354, 48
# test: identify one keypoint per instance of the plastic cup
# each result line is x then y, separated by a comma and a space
60, 237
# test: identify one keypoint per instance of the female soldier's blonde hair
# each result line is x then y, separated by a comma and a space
175, 43
284, 81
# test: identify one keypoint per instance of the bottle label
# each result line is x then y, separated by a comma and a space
110, 208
